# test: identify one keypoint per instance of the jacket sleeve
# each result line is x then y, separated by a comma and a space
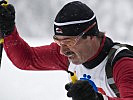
23, 56
123, 77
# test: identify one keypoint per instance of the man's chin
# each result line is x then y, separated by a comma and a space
75, 62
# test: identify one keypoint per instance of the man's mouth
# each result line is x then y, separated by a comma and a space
69, 54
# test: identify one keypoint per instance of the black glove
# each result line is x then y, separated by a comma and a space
7, 19
82, 90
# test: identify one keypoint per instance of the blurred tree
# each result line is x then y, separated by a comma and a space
36, 17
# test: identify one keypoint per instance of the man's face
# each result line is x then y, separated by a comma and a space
78, 50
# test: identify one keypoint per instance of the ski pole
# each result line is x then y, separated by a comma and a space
4, 3
73, 76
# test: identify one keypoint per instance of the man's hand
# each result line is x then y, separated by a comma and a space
7, 19
82, 90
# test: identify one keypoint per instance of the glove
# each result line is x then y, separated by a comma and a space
82, 90
7, 19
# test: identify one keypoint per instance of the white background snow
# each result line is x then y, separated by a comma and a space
16, 84
34, 20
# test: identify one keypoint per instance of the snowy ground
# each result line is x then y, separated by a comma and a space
16, 84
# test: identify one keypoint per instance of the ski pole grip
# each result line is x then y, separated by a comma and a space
73, 76
4, 3
1, 41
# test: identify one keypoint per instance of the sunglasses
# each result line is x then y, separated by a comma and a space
70, 42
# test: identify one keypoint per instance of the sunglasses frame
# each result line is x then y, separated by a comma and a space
75, 41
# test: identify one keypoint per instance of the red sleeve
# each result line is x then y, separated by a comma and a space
123, 76
23, 56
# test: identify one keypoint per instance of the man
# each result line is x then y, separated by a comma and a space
79, 47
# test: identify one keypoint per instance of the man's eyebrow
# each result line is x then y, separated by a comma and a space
63, 38
67, 38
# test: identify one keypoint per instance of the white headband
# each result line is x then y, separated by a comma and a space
74, 22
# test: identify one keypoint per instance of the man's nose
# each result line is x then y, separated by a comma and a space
63, 49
